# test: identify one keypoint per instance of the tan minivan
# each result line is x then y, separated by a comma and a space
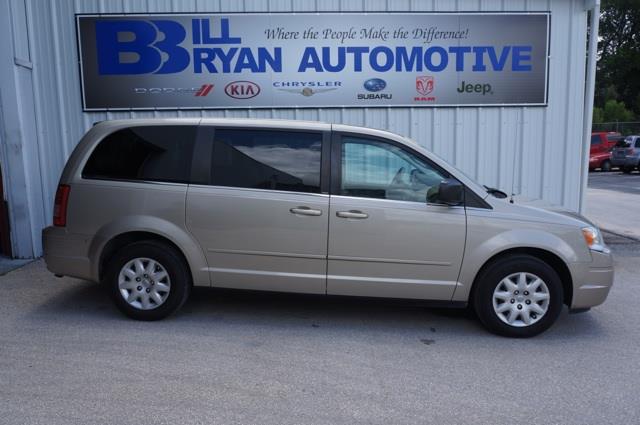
152, 207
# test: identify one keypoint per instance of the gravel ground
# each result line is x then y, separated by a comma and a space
68, 357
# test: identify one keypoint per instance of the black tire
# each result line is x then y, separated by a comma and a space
626, 170
492, 275
606, 165
169, 259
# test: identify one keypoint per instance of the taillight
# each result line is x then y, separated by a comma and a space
60, 205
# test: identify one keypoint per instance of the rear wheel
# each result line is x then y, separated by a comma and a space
518, 296
148, 280
606, 165
626, 170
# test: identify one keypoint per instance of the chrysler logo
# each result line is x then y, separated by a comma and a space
308, 91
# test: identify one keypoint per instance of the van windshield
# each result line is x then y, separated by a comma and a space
490, 190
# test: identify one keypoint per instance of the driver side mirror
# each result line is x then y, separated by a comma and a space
450, 192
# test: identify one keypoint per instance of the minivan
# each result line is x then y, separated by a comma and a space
152, 207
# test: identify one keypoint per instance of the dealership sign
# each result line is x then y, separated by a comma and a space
313, 60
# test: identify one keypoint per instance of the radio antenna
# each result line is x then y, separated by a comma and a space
515, 152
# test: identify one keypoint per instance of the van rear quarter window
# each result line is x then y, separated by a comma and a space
152, 153
267, 159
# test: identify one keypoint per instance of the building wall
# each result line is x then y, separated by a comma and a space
536, 151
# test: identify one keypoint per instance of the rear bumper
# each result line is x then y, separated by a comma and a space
631, 161
592, 281
618, 162
66, 253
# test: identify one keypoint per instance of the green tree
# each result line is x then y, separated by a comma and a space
618, 76
598, 115
615, 111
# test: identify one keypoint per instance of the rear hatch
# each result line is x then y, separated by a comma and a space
621, 149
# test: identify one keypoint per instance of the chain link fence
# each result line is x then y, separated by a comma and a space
625, 128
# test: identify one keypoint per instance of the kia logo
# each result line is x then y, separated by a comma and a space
375, 84
242, 89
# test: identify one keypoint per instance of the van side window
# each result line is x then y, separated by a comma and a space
267, 159
595, 139
153, 153
373, 169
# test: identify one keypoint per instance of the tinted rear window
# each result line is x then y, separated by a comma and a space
154, 153
267, 159
595, 139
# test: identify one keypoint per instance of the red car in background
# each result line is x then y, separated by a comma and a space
602, 142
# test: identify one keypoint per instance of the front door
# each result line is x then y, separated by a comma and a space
258, 212
388, 236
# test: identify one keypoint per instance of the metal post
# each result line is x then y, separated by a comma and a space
587, 115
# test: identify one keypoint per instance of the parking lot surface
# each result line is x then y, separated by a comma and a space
68, 357
613, 202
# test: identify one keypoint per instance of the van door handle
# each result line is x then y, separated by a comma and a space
305, 211
352, 214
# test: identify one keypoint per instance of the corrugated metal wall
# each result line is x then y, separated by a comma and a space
535, 150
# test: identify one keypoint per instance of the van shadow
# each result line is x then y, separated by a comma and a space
317, 310
214, 307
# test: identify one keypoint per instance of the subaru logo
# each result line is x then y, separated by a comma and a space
375, 84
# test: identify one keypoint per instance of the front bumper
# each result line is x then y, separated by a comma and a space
66, 253
592, 281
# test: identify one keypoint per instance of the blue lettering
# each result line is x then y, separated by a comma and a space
195, 30
241, 59
498, 64
110, 49
326, 59
357, 56
311, 60
373, 59
112, 53
174, 34
246, 61
521, 54
428, 58
274, 61
459, 51
224, 38
479, 66
202, 56
408, 61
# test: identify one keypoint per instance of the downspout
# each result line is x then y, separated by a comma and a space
592, 6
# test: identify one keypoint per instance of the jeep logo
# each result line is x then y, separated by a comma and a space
475, 88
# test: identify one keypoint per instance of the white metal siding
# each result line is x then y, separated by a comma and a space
535, 150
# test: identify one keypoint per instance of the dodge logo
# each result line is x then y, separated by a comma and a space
424, 84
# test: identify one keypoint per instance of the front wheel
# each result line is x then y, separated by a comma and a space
148, 280
518, 296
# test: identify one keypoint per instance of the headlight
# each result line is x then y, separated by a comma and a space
593, 238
